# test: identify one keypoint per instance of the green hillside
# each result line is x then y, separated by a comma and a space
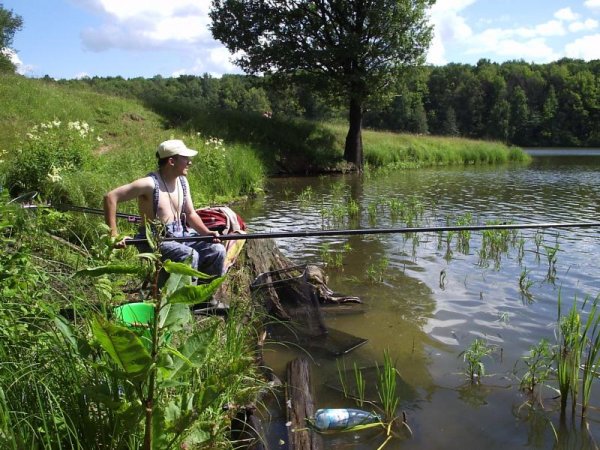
43, 150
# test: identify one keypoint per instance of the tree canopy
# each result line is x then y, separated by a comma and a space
352, 50
10, 23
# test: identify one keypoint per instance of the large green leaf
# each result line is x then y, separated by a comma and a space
185, 269
176, 281
191, 295
173, 317
193, 352
111, 268
124, 348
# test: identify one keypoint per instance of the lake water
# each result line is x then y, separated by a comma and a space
426, 301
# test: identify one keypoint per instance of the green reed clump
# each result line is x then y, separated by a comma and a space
551, 255
361, 385
568, 355
538, 239
525, 283
473, 358
464, 236
372, 214
578, 353
376, 271
306, 195
387, 387
538, 366
333, 259
353, 209
591, 356
396, 208
494, 244
520, 249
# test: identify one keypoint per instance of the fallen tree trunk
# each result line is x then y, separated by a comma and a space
300, 407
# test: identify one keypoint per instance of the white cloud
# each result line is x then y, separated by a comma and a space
587, 25
592, 4
21, 68
177, 26
550, 28
587, 48
215, 62
566, 14
448, 27
148, 25
82, 75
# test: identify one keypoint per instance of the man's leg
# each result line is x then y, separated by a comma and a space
177, 252
211, 257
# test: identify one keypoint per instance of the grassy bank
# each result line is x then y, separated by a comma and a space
238, 150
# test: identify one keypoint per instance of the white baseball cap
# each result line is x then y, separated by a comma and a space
174, 147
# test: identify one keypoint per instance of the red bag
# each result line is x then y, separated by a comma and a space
217, 220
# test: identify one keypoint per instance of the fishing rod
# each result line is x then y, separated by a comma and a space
326, 233
367, 231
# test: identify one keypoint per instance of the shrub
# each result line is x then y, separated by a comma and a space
48, 151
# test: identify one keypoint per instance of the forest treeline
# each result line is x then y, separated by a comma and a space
555, 104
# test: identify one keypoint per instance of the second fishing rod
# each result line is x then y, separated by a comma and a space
328, 233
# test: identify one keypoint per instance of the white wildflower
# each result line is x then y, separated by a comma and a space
56, 123
74, 125
54, 174
99, 139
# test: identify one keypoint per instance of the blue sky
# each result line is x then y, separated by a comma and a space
143, 38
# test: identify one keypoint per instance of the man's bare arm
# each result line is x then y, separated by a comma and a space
138, 188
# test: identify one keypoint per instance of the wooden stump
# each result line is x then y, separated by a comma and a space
300, 406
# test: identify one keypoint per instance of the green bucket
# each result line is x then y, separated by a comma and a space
138, 317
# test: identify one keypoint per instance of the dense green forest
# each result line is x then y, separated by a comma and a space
555, 104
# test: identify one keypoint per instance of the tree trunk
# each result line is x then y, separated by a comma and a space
353, 151
300, 407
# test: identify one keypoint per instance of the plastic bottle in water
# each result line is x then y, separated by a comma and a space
330, 419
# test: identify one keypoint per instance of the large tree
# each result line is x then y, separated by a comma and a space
351, 50
10, 23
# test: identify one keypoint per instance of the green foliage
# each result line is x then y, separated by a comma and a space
376, 271
577, 353
10, 23
538, 365
48, 151
568, 355
95, 382
358, 66
473, 358
387, 386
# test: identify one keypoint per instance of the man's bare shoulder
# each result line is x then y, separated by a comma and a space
142, 187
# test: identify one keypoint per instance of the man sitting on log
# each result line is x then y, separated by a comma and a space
165, 196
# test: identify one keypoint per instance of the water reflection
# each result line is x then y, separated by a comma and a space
436, 298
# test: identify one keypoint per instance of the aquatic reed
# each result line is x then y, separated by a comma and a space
525, 284
473, 358
360, 385
387, 386
376, 271
568, 356
590, 345
538, 366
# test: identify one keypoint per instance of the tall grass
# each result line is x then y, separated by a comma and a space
61, 388
404, 150
578, 353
